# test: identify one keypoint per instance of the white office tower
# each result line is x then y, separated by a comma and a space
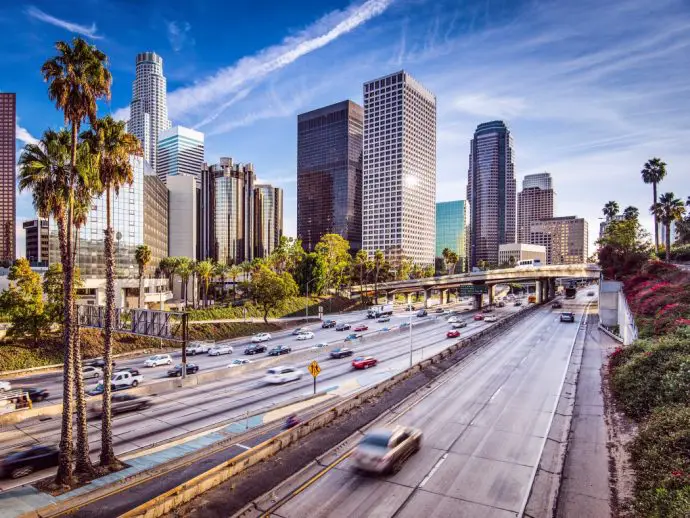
399, 170
148, 113
180, 151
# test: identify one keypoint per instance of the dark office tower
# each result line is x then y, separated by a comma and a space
491, 192
37, 241
8, 160
329, 174
535, 201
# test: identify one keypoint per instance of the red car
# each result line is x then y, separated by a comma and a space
362, 362
454, 333
361, 327
479, 316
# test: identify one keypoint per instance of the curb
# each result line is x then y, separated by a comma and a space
609, 333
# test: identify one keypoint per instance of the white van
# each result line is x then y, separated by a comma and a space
282, 374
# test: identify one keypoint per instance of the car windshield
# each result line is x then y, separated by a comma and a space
358, 359
273, 371
378, 440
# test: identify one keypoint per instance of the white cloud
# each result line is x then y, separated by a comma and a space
483, 105
24, 135
36, 13
121, 114
179, 35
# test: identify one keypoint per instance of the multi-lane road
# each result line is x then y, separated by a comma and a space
484, 430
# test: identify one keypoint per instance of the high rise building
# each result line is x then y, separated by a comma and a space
180, 151
156, 218
182, 211
268, 219
399, 169
8, 161
329, 174
451, 220
148, 112
37, 241
536, 201
491, 192
227, 211
566, 239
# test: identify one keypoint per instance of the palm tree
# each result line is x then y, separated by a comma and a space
204, 270
234, 272
668, 209
631, 213
611, 210
361, 259
184, 270
220, 270
246, 268
378, 261
452, 261
114, 147
654, 171
142, 255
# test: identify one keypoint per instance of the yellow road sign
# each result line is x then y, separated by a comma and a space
314, 368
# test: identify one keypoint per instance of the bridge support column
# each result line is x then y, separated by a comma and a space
492, 292
552, 288
427, 296
408, 298
448, 298
477, 301
442, 295
538, 291
390, 297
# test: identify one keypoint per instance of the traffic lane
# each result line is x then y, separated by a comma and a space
483, 430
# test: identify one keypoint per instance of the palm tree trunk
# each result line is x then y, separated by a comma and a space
668, 241
141, 288
656, 223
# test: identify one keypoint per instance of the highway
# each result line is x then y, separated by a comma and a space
191, 408
484, 429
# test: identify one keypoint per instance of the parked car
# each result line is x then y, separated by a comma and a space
261, 337
36, 395
238, 362
5, 385
557, 305
282, 374
479, 316
158, 359
176, 371
22, 463
255, 349
327, 324
491, 318
454, 333
341, 352
384, 318
307, 335
364, 362
90, 371
353, 336
342, 326
279, 349
385, 450
422, 313
361, 327
219, 349
567, 316
98, 362
121, 403
199, 348
459, 324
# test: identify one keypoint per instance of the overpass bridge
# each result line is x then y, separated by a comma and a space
484, 281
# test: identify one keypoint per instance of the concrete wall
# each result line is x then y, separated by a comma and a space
608, 302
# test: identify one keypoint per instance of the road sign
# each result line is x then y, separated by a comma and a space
314, 368
469, 290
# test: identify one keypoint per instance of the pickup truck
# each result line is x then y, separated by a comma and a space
199, 348
119, 381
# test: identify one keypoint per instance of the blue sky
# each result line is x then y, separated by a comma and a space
590, 89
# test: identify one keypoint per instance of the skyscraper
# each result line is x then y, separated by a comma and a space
566, 239
268, 219
8, 161
148, 112
536, 201
450, 230
399, 170
491, 192
329, 174
156, 218
180, 151
37, 241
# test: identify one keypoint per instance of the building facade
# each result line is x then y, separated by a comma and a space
156, 219
399, 169
491, 192
512, 253
182, 214
566, 239
451, 220
37, 241
536, 201
8, 190
329, 174
180, 151
148, 111
268, 219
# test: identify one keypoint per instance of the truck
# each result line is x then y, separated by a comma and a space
379, 311
199, 347
120, 380
570, 292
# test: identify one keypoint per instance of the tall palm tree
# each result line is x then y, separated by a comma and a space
204, 270
184, 270
654, 171
361, 259
611, 210
234, 272
109, 140
220, 271
142, 255
378, 261
631, 212
668, 209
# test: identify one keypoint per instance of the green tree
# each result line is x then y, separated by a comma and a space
270, 290
653, 172
287, 255
23, 302
53, 288
623, 248
429, 270
611, 210
360, 262
378, 262
333, 250
310, 270
204, 270
184, 270
668, 210
142, 255
234, 272
452, 260
631, 212
404, 269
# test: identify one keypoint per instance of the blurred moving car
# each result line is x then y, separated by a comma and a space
219, 349
238, 362
261, 337
362, 327
291, 422
279, 349
341, 352
176, 371
36, 395
479, 316
158, 359
307, 335
22, 463
459, 324
255, 349
453, 319
319, 346
342, 327
557, 305
5, 385
567, 316
199, 347
384, 318
487, 309
422, 313
299, 330
97, 362
518, 303
439, 310
500, 304
352, 337
590, 294
364, 362
327, 324
385, 450
90, 371
121, 403
453, 333
491, 318
282, 374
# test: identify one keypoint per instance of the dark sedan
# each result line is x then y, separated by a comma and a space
36, 395
328, 324
97, 362
342, 327
341, 352
278, 350
557, 305
120, 403
21, 463
255, 349
176, 371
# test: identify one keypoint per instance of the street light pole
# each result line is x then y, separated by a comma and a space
410, 308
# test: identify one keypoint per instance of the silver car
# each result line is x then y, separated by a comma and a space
386, 449
219, 349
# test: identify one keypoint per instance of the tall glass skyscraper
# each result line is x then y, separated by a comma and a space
450, 230
268, 219
8, 161
491, 192
180, 151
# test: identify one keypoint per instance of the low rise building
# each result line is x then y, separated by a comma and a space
513, 253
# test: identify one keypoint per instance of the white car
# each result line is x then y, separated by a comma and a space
217, 350
238, 362
5, 385
158, 359
307, 335
319, 346
282, 374
453, 320
89, 372
491, 318
261, 337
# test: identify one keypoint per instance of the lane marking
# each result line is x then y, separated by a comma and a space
243, 446
433, 470
495, 393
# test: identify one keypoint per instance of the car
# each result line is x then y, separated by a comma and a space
199, 348
410, 308
90, 371
364, 362
299, 330
238, 362
404, 325
453, 319
282, 374
261, 337
343, 327
158, 359
279, 349
479, 316
120, 380
319, 346
557, 305
98, 362
255, 349
517, 303
307, 335
341, 352
36, 395
590, 294
459, 324
327, 324
352, 337
454, 333
5, 385
219, 349
176, 371
362, 327
567, 316
121, 403
384, 318
491, 318
132, 370
422, 313
487, 310
439, 310
385, 450
500, 304
22, 463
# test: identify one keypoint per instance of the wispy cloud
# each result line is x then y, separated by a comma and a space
483, 105
84, 30
24, 135
179, 35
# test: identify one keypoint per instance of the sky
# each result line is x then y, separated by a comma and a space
589, 89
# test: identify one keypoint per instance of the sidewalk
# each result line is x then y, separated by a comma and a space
585, 491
